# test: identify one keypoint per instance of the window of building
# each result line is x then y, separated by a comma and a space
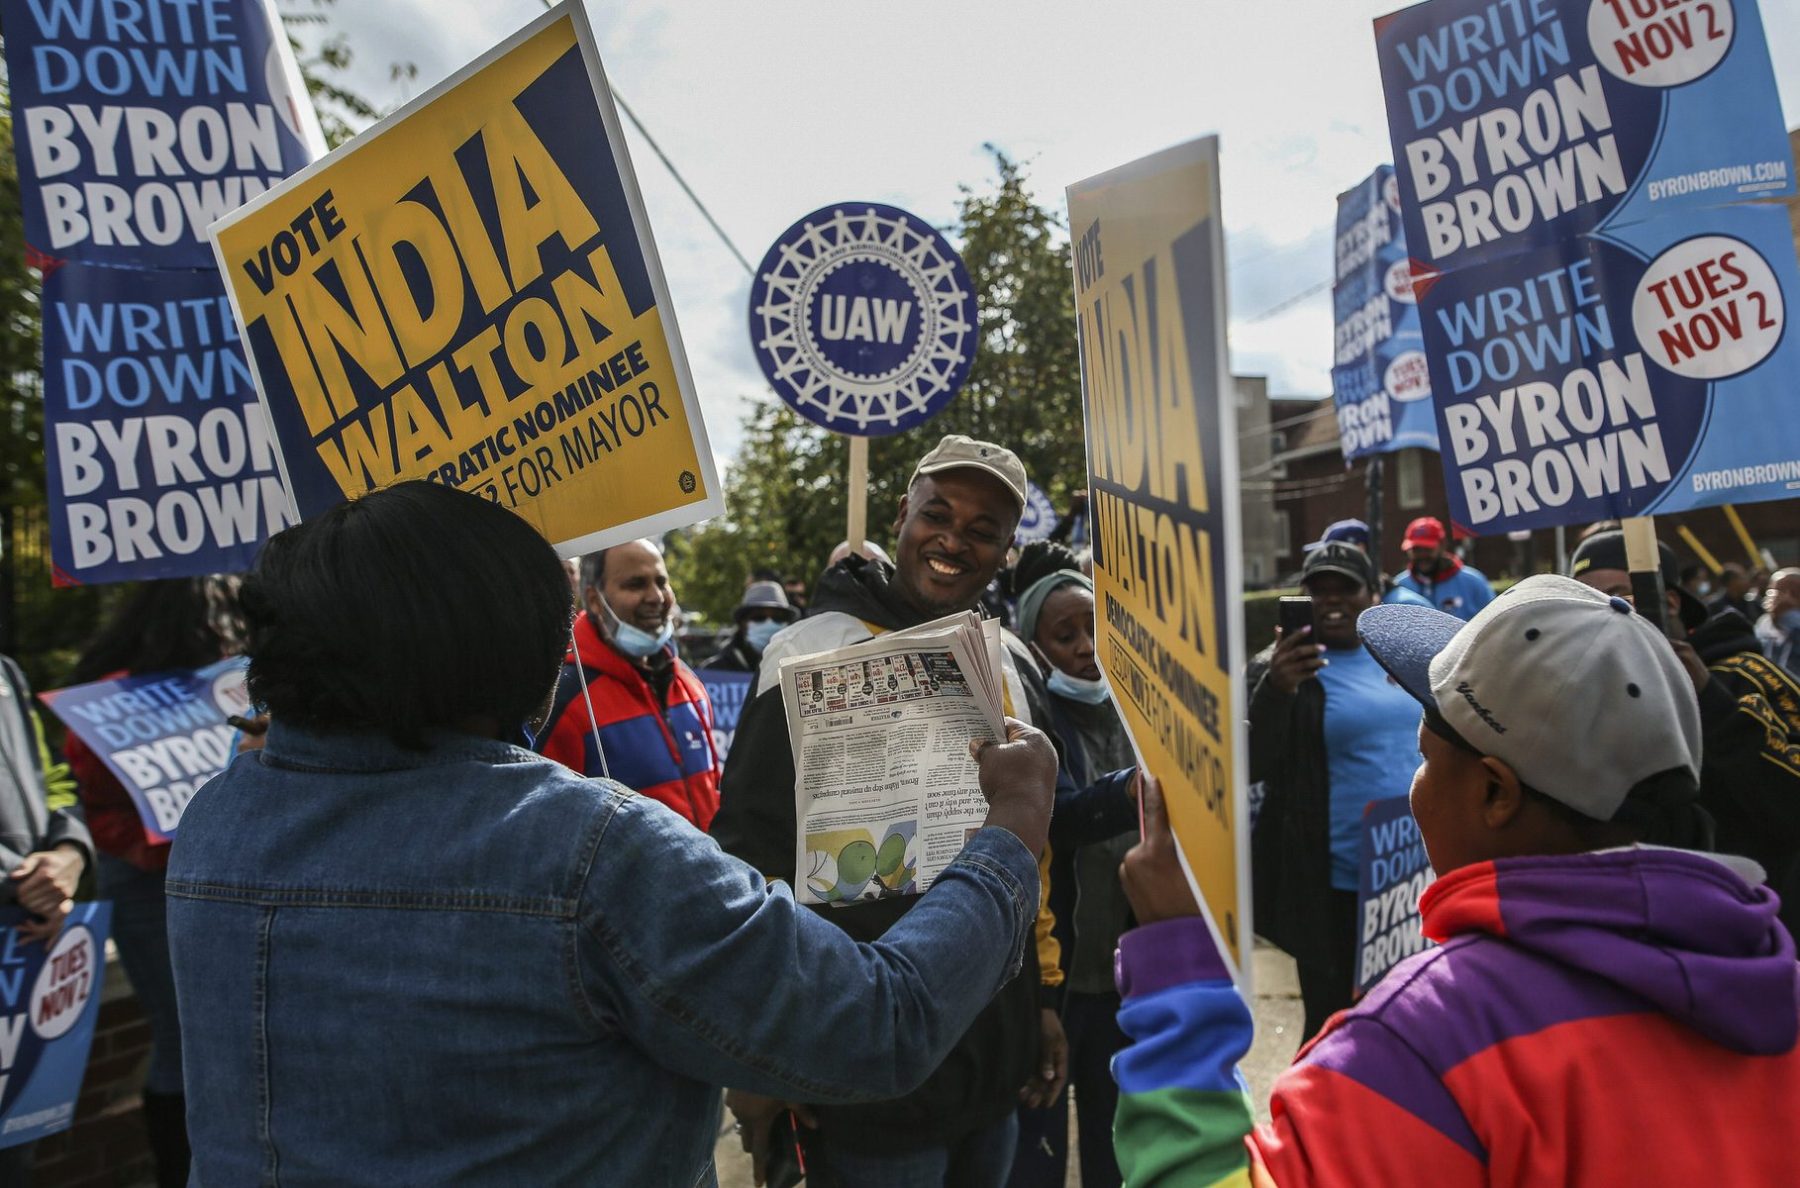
1284, 542
1412, 478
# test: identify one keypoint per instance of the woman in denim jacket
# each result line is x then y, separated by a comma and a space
408, 951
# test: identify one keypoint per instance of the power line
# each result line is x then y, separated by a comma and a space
1324, 410
1296, 299
676, 174
680, 181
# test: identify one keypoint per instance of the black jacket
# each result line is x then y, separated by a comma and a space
1290, 842
735, 656
1750, 748
978, 1083
1091, 808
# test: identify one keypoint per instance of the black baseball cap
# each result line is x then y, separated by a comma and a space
1340, 558
1606, 550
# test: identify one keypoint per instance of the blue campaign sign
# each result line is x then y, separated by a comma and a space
49, 1001
137, 124
160, 460
863, 319
162, 734
728, 691
1039, 518
1393, 873
1379, 379
1517, 123
1639, 371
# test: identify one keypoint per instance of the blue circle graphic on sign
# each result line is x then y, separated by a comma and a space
1038, 520
863, 319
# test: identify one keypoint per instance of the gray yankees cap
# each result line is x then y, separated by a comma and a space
1570, 688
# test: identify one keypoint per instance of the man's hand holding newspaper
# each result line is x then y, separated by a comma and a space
900, 743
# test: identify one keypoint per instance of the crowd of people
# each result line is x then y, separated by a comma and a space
488, 905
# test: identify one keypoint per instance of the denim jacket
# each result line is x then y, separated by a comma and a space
471, 965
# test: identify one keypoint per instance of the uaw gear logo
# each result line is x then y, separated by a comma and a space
863, 319
1038, 520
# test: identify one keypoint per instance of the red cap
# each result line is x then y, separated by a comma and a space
1423, 533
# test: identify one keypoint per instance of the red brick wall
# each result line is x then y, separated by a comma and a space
106, 1148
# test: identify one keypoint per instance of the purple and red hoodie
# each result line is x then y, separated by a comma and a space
1622, 1017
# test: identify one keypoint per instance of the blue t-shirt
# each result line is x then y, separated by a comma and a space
1401, 596
1461, 594
1371, 748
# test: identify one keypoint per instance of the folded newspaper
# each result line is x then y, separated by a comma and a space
885, 791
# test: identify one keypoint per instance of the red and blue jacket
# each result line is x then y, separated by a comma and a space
663, 751
1623, 1017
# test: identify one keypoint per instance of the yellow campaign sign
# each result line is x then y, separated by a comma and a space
1149, 263
468, 293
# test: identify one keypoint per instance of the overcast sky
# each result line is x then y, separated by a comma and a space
774, 108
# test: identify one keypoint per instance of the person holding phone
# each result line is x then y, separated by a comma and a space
1329, 733
1607, 1003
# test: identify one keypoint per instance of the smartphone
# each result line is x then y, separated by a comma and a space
787, 1158
1293, 614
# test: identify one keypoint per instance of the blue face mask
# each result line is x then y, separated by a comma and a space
1076, 689
758, 634
1789, 621
635, 641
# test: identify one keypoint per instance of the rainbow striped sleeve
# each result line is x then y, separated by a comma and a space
1183, 1107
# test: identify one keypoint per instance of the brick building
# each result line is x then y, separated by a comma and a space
1311, 487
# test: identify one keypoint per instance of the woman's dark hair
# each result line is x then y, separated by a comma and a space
1040, 559
414, 607
166, 625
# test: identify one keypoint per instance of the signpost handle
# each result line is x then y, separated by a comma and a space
859, 494
1373, 477
1693, 542
1743, 535
1645, 563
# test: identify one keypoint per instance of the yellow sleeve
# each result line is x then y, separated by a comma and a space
58, 782
1049, 950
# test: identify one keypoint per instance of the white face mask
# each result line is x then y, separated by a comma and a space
631, 640
758, 634
1077, 689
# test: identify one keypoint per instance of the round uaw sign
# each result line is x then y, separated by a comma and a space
1038, 520
863, 319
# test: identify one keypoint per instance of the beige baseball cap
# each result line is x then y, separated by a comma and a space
959, 452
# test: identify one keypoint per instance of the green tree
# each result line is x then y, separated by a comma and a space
44, 628
785, 494
41, 627
342, 112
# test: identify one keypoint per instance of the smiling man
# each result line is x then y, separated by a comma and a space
632, 710
951, 535
1329, 733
